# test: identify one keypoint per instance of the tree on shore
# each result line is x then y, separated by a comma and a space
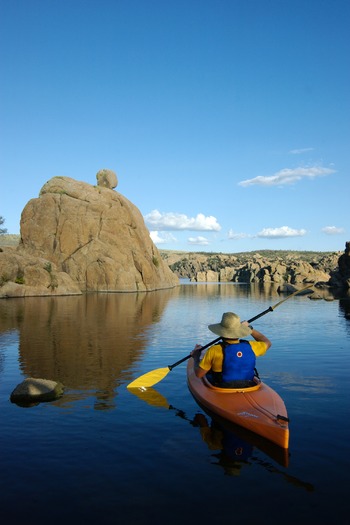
2, 230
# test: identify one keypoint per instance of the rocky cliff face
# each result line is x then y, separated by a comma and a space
253, 267
76, 238
340, 277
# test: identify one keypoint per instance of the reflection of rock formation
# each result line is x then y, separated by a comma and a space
269, 291
344, 306
86, 342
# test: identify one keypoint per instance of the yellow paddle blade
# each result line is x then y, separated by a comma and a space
150, 396
149, 379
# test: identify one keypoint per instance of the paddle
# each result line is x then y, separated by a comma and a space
153, 377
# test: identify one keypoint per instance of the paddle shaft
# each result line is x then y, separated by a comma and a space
269, 309
188, 356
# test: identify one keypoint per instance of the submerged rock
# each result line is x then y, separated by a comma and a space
33, 391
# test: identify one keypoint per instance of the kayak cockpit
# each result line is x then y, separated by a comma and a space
251, 388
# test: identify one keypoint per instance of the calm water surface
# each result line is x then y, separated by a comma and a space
102, 454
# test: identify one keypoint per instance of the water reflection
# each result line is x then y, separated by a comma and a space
236, 444
344, 306
235, 449
238, 290
232, 451
86, 342
90, 343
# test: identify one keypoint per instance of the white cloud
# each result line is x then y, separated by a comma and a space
179, 221
280, 233
332, 230
236, 236
202, 241
300, 151
163, 238
288, 176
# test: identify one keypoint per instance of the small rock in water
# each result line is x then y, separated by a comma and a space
32, 391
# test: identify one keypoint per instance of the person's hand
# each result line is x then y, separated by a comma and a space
245, 323
196, 351
200, 420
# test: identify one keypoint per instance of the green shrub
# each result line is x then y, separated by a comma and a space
48, 267
4, 279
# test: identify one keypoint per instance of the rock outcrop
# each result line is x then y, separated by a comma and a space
77, 238
23, 275
107, 179
290, 268
340, 277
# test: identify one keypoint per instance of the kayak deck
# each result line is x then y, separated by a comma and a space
259, 408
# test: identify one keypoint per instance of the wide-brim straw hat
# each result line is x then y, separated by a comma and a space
230, 327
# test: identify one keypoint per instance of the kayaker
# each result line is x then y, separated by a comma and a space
231, 362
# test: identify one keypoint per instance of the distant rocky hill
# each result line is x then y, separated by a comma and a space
266, 266
76, 237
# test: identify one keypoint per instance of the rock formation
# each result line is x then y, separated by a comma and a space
77, 238
289, 268
340, 277
107, 179
23, 275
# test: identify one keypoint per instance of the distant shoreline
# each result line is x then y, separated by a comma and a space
263, 252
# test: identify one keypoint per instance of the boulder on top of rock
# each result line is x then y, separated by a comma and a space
107, 179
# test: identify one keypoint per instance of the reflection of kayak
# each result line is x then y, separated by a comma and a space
258, 409
275, 452
153, 398
237, 443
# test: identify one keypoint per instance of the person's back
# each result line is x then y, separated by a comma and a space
232, 362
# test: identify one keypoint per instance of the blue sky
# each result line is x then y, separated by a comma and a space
227, 122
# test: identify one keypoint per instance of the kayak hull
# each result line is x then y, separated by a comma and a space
259, 409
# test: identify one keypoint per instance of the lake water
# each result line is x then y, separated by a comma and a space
103, 455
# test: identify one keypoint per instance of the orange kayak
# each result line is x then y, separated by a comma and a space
258, 408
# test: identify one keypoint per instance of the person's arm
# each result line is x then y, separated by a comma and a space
196, 352
258, 336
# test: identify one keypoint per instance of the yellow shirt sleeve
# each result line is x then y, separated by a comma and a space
212, 359
259, 347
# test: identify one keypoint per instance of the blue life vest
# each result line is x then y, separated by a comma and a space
238, 363
235, 448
